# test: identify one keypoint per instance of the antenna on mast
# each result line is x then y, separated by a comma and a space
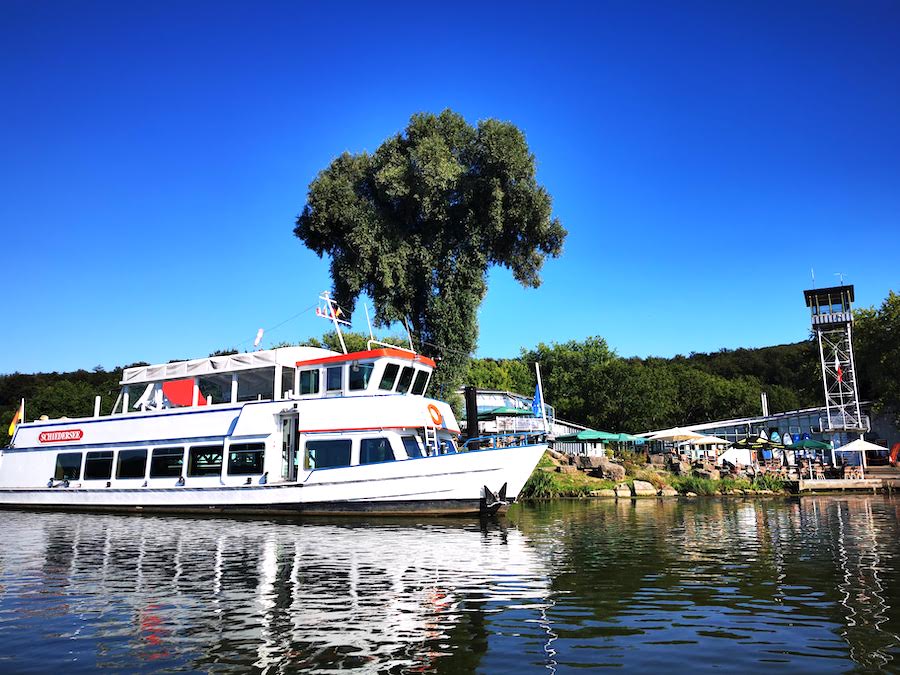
840, 275
332, 312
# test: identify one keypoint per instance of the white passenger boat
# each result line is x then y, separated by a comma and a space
295, 429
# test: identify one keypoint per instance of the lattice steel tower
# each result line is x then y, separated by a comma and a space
832, 321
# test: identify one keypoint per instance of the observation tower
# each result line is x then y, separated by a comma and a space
832, 320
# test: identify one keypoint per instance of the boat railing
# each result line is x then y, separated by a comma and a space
511, 440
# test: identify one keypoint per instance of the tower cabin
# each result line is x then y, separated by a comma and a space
830, 306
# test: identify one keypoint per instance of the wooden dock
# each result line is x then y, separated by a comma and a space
836, 484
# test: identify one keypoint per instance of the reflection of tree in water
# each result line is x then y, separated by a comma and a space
767, 574
862, 579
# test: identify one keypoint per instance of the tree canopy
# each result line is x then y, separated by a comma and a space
416, 225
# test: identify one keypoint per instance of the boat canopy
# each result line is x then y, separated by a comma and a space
283, 356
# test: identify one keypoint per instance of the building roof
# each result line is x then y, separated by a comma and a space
824, 293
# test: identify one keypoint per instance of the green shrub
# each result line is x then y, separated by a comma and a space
730, 483
700, 486
540, 485
768, 482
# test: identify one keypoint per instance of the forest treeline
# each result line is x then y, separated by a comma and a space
588, 382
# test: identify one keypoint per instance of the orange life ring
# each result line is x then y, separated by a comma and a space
436, 416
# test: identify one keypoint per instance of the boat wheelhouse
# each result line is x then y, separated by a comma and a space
296, 429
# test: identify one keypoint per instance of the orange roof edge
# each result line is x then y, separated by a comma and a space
370, 354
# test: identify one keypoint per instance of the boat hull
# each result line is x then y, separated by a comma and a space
464, 483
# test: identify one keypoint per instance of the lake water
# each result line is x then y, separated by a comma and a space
809, 585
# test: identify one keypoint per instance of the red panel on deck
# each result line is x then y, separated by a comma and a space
181, 392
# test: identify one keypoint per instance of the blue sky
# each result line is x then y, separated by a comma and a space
703, 156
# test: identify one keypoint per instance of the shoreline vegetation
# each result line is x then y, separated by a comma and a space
555, 477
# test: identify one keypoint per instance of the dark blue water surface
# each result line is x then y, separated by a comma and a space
732, 585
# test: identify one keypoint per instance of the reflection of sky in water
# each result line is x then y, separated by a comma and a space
809, 585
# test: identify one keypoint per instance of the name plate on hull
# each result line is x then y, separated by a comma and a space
62, 436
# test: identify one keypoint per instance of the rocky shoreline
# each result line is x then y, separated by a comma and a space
562, 476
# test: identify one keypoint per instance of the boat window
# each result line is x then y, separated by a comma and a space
405, 380
163, 395
205, 461
309, 382
287, 380
360, 374
246, 458
167, 463
421, 382
131, 464
68, 466
325, 454
333, 377
256, 384
372, 450
411, 443
98, 465
389, 377
215, 387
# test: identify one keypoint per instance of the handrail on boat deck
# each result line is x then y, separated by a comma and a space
499, 440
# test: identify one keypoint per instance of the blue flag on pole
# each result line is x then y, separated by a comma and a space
536, 406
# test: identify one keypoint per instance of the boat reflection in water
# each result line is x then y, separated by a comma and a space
204, 593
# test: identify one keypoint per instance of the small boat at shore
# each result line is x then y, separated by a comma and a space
287, 430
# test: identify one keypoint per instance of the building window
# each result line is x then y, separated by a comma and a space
98, 465
333, 378
411, 444
167, 463
246, 458
405, 380
374, 450
309, 382
256, 384
360, 374
326, 454
389, 377
205, 461
215, 387
421, 382
132, 464
68, 466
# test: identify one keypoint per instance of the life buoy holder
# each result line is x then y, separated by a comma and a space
436, 416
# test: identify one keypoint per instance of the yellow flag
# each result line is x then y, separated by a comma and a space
15, 421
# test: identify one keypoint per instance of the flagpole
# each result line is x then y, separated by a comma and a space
537, 370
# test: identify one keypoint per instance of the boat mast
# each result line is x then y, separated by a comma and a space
332, 312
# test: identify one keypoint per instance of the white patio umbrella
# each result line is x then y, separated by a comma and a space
675, 434
709, 440
859, 445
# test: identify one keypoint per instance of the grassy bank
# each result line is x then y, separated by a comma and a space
547, 483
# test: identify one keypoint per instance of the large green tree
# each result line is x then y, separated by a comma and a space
877, 343
416, 225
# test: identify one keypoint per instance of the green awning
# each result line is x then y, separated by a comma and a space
588, 436
628, 438
810, 444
